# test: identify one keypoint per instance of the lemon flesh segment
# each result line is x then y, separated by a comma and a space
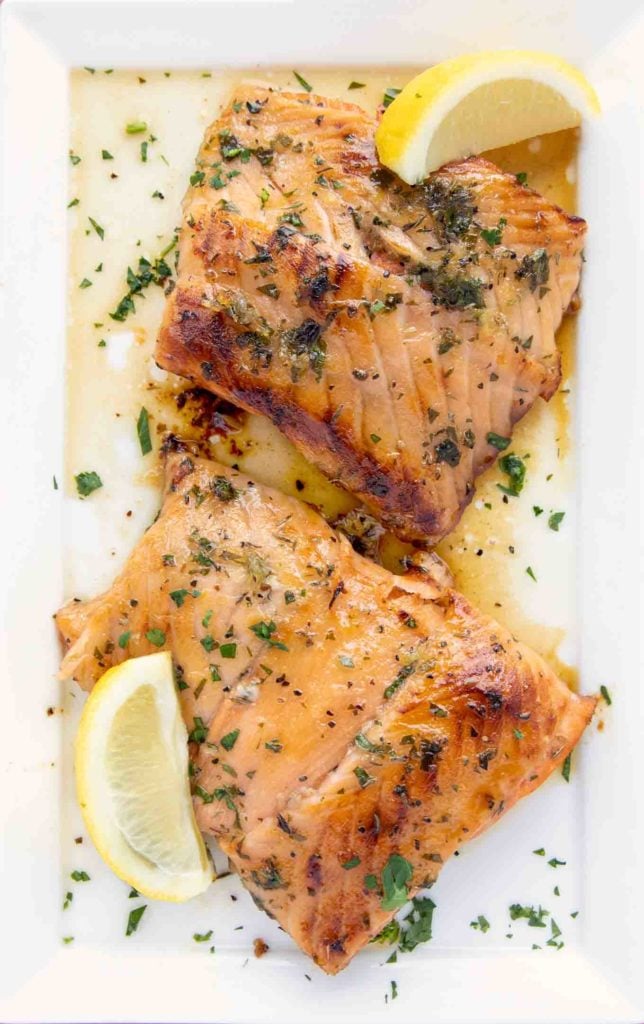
479, 102
132, 780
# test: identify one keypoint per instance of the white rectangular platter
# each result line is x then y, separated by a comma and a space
595, 824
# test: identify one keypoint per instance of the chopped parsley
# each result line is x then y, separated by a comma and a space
74, 158
493, 235
565, 768
229, 740
156, 637
275, 746
390, 95
106, 155
136, 127
85, 283
480, 924
555, 519
228, 650
396, 876
87, 482
134, 919
143, 431
530, 572
497, 441
100, 231
124, 639
356, 85
363, 777
79, 876
417, 927
522, 177
351, 863
515, 468
264, 631
205, 937
606, 695
535, 918
303, 82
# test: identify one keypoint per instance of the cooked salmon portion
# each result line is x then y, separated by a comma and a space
395, 334
349, 728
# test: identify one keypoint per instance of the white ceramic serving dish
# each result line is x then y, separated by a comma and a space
596, 823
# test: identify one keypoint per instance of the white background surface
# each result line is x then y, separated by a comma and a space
596, 824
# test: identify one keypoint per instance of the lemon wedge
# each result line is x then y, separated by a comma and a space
132, 781
478, 102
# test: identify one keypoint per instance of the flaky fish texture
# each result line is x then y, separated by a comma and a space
395, 334
343, 720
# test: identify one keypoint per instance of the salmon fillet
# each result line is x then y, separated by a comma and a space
395, 334
348, 727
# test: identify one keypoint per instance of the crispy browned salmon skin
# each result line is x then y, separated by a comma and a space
395, 334
344, 721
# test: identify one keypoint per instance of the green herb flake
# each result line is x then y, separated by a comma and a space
143, 431
370, 882
417, 926
228, 650
540, 852
67, 939
537, 511
204, 937
74, 158
351, 863
156, 637
87, 482
605, 695
357, 85
72, 202
497, 441
100, 231
199, 732
396, 876
69, 896
134, 919
565, 768
80, 876
555, 519
303, 82
522, 177
480, 924
555, 863
136, 127
535, 918
514, 468
229, 740
390, 95
363, 777
106, 155
124, 639
493, 235
275, 746
265, 631
530, 572
85, 283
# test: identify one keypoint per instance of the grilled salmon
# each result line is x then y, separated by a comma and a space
349, 727
395, 334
